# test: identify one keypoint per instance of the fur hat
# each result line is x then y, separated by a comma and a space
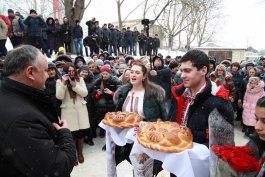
99, 62
235, 64
254, 80
105, 68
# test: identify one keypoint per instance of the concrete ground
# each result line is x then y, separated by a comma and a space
95, 159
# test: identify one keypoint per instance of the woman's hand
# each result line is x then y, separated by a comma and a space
107, 91
65, 78
72, 82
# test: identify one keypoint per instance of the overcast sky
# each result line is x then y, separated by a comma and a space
244, 23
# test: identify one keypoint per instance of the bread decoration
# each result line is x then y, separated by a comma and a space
122, 119
165, 136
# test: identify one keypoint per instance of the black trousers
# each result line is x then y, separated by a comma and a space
67, 46
16, 40
3, 49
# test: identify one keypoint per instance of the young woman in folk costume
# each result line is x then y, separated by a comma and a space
146, 99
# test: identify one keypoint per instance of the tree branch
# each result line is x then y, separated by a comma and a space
132, 11
88, 4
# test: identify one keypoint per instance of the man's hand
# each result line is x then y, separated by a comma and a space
153, 73
62, 124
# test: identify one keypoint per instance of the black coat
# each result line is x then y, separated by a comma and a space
29, 145
77, 32
199, 112
66, 27
105, 103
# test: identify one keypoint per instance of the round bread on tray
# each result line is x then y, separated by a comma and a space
165, 136
122, 119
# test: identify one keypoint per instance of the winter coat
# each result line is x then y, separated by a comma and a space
163, 78
153, 107
91, 103
237, 80
29, 145
3, 29
156, 43
77, 32
250, 99
35, 25
73, 111
243, 88
135, 36
210, 117
105, 35
128, 37
17, 26
105, 102
142, 39
113, 37
66, 27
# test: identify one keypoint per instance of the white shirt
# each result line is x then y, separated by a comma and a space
134, 102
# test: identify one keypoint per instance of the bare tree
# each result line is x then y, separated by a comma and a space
173, 20
119, 7
208, 20
75, 9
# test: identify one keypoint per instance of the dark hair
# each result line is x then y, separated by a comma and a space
69, 86
198, 58
173, 64
152, 90
19, 58
261, 102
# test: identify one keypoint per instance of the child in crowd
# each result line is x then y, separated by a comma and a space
254, 91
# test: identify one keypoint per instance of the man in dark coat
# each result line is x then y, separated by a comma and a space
50, 86
66, 30
113, 41
200, 105
156, 44
105, 38
142, 43
33, 141
35, 24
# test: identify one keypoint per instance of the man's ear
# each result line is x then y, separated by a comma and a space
28, 72
204, 70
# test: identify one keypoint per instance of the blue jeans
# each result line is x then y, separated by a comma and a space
78, 46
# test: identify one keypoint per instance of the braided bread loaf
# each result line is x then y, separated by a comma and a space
122, 119
165, 136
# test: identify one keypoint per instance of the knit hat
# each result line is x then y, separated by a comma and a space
99, 62
106, 62
61, 49
122, 66
122, 59
89, 61
254, 80
51, 65
10, 11
59, 64
105, 68
83, 67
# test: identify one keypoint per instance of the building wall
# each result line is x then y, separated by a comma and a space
237, 54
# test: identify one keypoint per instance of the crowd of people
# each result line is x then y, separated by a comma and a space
65, 100
49, 35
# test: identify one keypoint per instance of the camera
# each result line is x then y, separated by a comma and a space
145, 22
72, 77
